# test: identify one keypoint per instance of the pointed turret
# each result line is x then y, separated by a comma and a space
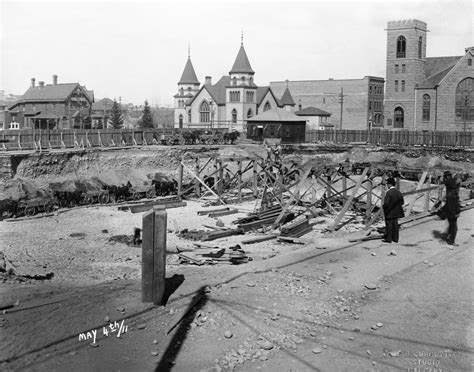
241, 64
287, 99
189, 75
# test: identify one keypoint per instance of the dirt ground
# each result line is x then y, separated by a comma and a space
328, 305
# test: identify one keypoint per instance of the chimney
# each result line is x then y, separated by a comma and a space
41, 84
33, 82
208, 80
55, 79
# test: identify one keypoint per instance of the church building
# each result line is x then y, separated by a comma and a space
426, 93
229, 102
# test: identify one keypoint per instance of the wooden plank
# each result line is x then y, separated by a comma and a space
349, 201
223, 213
259, 239
204, 212
148, 238
145, 207
159, 255
293, 198
202, 182
418, 187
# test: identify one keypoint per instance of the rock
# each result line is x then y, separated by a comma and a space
374, 363
356, 317
431, 264
325, 346
105, 231
316, 350
379, 324
356, 329
251, 284
155, 341
264, 344
340, 290
395, 353
392, 253
228, 334
373, 254
351, 338
374, 327
154, 353
368, 352
141, 326
370, 286
220, 223
425, 262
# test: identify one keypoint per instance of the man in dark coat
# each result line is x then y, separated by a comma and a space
452, 207
392, 208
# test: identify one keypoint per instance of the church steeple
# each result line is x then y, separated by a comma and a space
189, 75
241, 64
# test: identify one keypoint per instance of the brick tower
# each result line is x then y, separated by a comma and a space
406, 55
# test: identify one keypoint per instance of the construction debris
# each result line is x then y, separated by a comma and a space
233, 255
208, 235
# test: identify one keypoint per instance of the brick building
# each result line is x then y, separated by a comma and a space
362, 105
426, 93
54, 106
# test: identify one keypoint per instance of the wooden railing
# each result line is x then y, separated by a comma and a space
56, 139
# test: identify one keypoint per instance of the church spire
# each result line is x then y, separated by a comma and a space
189, 75
242, 38
242, 63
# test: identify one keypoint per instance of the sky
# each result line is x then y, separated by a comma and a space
137, 50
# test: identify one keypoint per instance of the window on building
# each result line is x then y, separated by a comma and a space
370, 105
189, 89
267, 106
180, 121
399, 118
426, 107
396, 85
249, 113
234, 116
234, 81
401, 47
403, 85
469, 62
181, 91
324, 99
420, 50
204, 112
243, 79
249, 96
465, 100
396, 69
189, 116
370, 89
251, 80
404, 68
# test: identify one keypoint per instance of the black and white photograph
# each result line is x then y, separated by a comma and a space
230, 185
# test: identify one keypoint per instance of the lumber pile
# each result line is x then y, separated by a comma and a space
209, 235
255, 221
206, 255
166, 202
296, 228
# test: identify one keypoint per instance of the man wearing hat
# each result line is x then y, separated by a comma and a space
451, 208
392, 208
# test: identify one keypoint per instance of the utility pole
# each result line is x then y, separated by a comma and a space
341, 101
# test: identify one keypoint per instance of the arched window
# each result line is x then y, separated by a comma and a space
204, 112
234, 116
243, 79
267, 106
426, 107
181, 91
399, 117
189, 116
249, 113
465, 100
420, 43
234, 81
401, 47
180, 121
251, 80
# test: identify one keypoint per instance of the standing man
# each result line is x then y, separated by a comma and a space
452, 207
392, 208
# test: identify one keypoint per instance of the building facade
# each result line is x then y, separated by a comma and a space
362, 99
229, 102
54, 106
426, 93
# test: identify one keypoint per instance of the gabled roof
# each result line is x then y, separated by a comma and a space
51, 92
287, 99
216, 91
433, 65
189, 75
312, 111
262, 92
241, 64
277, 115
103, 104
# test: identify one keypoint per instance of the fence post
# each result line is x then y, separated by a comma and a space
154, 255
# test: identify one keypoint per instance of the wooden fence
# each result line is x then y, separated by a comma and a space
57, 139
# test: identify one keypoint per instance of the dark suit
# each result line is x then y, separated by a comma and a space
392, 208
452, 208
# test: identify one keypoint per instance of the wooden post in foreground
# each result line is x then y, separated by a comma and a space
154, 255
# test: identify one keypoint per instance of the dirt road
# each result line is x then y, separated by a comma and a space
316, 308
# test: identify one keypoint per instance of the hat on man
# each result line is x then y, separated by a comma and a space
391, 181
